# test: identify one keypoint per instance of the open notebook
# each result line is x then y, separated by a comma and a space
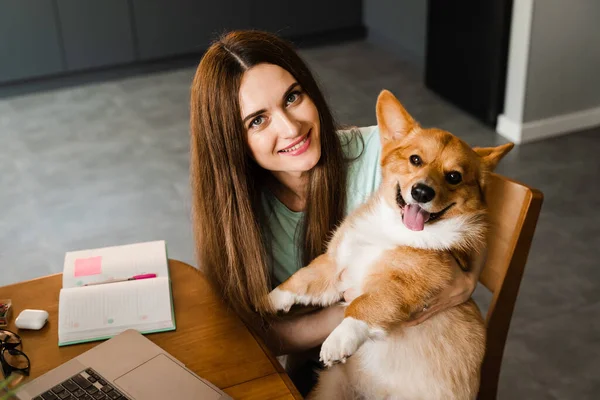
103, 310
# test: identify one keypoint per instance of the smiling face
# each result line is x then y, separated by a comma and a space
281, 121
430, 174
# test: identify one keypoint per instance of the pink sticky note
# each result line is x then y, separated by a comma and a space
88, 266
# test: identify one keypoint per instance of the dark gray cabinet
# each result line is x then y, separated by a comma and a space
165, 28
45, 37
29, 40
297, 18
95, 33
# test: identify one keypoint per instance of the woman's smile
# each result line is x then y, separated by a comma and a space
298, 147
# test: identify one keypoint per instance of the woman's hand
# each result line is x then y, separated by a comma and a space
460, 290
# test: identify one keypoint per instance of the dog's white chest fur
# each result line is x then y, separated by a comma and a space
380, 229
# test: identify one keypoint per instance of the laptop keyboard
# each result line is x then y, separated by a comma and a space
86, 385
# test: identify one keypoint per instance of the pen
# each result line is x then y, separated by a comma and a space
133, 278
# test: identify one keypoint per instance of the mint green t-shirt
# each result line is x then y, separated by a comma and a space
364, 177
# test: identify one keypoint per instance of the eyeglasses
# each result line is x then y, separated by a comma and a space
12, 359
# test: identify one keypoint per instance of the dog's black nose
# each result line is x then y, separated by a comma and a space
422, 193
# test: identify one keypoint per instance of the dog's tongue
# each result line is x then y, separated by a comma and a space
415, 217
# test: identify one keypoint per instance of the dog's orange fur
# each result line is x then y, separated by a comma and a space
403, 279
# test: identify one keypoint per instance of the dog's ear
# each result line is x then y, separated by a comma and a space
491, 156
393, 120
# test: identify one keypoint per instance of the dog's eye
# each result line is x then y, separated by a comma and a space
453, 177
416, 160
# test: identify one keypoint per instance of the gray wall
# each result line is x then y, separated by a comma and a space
398, 26
563, 74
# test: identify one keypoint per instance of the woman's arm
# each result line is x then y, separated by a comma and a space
304, 332
300, 333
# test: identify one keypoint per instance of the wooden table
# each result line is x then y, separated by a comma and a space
210, 340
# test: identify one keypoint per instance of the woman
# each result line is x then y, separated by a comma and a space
271, 178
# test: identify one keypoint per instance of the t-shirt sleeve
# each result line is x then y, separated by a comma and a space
364, 173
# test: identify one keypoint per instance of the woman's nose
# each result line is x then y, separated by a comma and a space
289, 127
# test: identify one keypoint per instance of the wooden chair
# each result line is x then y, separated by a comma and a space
513, 210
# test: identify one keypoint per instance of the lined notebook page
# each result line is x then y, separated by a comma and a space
117, 262
105, 310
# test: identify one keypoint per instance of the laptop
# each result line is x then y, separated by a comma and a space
127, 366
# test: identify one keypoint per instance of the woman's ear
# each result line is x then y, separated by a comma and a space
393, 120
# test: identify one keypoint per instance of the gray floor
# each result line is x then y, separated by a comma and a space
106, 163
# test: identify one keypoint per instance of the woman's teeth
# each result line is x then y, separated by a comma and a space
296, 147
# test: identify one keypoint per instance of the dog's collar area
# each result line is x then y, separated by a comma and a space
434, 216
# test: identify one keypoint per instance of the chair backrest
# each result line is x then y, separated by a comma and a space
513, 213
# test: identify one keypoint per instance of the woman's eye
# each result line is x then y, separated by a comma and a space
257, 122
292, 97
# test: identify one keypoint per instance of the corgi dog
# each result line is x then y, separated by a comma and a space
396, 252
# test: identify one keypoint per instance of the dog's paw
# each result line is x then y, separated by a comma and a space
282, 300
344, 341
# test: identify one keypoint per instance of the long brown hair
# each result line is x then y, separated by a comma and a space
228, 217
